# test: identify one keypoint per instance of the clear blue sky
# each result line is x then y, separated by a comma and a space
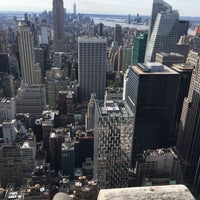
185, 7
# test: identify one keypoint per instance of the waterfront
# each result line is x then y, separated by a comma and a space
108, 21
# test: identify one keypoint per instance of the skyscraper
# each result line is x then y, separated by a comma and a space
58, 25
113, 136
150, 91
118, 34
139, 47
92, 67
74, 8
188, 136
163, 30
31, 73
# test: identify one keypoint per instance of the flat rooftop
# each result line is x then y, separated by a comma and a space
152, 68
169, 192
183, 67
114, 108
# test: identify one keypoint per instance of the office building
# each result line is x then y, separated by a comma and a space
126, 56
3, 43
27, 153
150, 91
158, 167
31, 99
65, 105
183, 26
9, 86
68, 159
44, 33
196, 44
98, 30
31, 73
183, 46
188, 135
56, 139
40, 58
113, 136
139, 48
118, 34
185, 72
58, 26
92, 56
163, 30
7, 109
169, 59
9, 131
48, 122
74, 8
4, 63
173, 192
90, 112
10, 165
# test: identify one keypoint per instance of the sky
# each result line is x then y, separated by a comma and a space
143, 7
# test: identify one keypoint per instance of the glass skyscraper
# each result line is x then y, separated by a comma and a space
163, 30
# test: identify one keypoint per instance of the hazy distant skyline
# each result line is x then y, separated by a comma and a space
125, 7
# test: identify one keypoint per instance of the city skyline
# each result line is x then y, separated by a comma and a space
117, 7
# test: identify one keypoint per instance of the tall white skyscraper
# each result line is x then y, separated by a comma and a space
31, 73
92, 67
58, 25
163, 30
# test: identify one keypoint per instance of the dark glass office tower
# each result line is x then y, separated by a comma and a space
150, 91
58, 25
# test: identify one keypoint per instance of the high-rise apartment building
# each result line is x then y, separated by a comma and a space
31, 73
92, 67
113, 136
163, 30
58, 26
150, 91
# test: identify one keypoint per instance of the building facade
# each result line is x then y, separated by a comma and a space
113, 136
150, 91
163, 30
29, 69
92, 67
58, 25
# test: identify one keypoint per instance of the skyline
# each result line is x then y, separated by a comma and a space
117, 7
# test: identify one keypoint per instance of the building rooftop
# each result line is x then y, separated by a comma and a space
152, 68
92, 40
172, 192
159, 152
171, 54
115, 108
183, 67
